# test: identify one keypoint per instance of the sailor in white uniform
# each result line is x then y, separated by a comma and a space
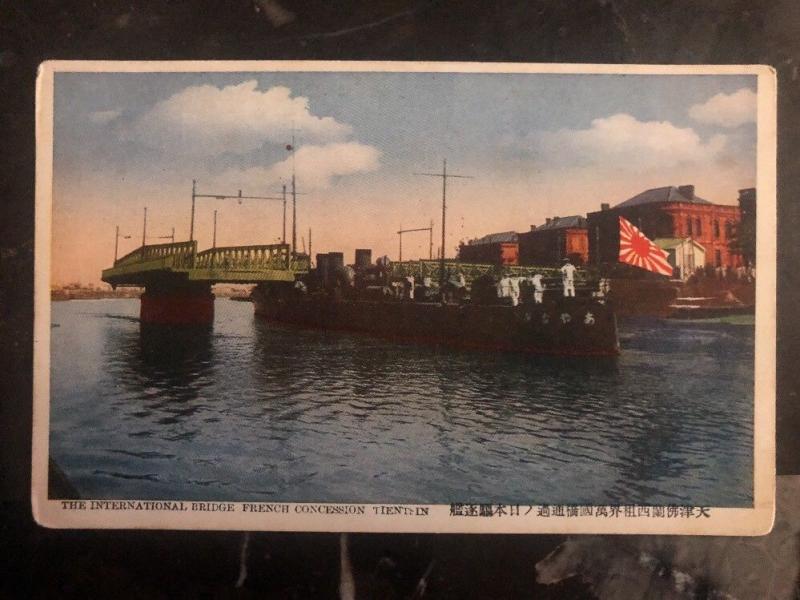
538, 288
568, 278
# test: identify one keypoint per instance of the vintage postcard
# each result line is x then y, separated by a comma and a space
411, 297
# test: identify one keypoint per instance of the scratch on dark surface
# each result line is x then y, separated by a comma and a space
365, 26
422, 585
243, 559
275, 12
347, 584
685, 566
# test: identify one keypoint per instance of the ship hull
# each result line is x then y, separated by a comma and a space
572, 326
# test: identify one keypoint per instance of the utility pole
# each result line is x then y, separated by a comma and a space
116, 242
191, 224
430, 239
284, 196
144, 228
295, 194
291, 148
283, 237
294, 200
444, 175
238, 197
214, 242
309, 246
163, 237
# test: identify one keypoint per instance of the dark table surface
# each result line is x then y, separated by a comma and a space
45, 563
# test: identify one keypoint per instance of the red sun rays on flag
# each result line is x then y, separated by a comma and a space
637, 250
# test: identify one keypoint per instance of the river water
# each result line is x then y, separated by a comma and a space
257, 411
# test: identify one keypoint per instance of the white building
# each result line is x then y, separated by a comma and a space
685, 255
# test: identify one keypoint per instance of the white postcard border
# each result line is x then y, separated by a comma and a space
391, 517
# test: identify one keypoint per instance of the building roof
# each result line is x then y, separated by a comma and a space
563, 223
662, 195
504, 237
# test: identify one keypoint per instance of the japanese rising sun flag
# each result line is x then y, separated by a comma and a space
637, 250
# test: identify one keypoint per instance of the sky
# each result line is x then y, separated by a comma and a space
535, 146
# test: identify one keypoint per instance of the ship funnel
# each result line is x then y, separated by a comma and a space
335, 261
363, 258
322, 267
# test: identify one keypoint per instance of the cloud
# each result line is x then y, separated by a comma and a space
101, 117
207, 120
727, 110
316, 166
623, 142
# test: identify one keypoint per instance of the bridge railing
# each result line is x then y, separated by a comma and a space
180, 253
245, 258
300, 262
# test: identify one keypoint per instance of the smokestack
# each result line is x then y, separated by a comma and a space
686, 191
335, 260
605, 206
323, 267
363, 258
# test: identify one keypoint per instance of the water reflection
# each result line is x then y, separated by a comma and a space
253, 410
550, 412
164, 370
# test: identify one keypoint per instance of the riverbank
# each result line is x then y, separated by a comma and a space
81, 294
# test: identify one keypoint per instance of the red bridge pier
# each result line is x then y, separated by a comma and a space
176, 303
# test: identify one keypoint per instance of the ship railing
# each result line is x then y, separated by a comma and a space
471, 271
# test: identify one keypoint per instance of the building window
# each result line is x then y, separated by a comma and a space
718, 258
728, 230
698, 229
688, 226
716, 229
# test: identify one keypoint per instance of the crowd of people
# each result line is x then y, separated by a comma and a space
495, 286
513, 289
740, 274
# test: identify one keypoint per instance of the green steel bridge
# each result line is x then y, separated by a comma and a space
181, 261
177, 278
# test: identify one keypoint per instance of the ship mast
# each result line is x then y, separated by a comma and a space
444, 175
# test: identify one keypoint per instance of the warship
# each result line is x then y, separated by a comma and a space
401, 302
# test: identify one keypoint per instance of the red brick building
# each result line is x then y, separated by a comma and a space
667, 212
557, 239
495, 248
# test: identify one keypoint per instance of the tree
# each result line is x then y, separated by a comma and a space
743, 240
